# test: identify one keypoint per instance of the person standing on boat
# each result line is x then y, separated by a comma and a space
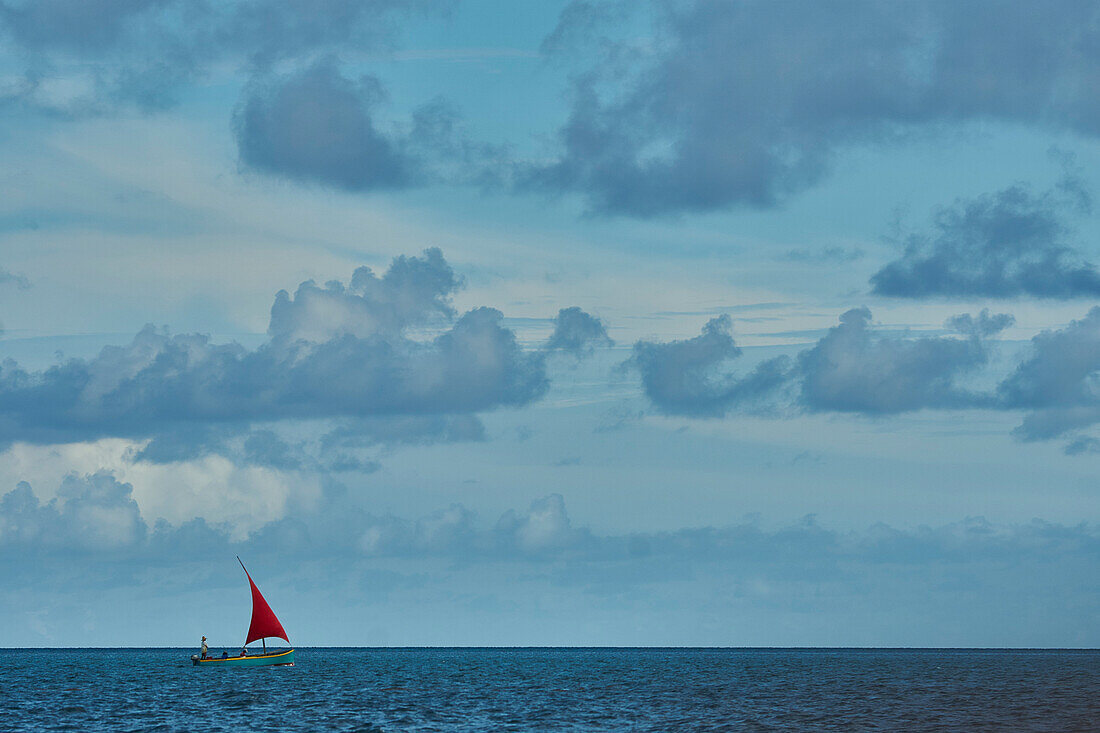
204, 648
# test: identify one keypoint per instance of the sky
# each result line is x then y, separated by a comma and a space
675, 322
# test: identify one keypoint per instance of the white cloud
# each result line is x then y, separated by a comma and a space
240, 498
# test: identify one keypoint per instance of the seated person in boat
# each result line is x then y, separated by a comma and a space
244, 651
225, 655
204, 649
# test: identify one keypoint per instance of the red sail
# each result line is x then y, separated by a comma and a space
264, 624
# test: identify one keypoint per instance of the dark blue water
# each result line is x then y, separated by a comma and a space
555, 689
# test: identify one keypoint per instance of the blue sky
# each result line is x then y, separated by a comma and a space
710, 323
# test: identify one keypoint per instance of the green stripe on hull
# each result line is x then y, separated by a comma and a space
260, 660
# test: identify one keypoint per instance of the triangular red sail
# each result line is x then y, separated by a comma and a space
264, 624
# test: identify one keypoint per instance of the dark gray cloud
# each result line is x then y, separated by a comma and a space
747, 102
852, 369
577, 332
691, 377
1056, 383
318, 126
999, 245
334, 352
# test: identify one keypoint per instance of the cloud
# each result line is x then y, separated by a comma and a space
851, 369
12, 279
544, 529
270, 30
1082, 444
449, 531
577, 332
746, 103
184, 443
96, 514
1056, 383
414, 291
318, 126
266, 448
92, 512
857, 369
85, 26
334, 352
1000, 245
315, 125
689, 377
82, 57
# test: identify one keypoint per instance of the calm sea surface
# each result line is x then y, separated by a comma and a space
555, 689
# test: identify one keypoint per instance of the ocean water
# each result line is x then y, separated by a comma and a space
555, 690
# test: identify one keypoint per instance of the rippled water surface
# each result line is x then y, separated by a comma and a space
555, 689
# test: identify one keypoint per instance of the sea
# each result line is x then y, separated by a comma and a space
556, 689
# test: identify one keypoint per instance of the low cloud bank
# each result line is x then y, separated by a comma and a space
97, 514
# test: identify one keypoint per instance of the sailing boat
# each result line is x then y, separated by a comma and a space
264, 626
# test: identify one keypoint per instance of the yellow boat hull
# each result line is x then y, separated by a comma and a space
284, 658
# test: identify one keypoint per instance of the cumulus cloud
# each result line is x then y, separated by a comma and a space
691, 377
544, 528
91, 512
577, 332
334, 352
999, 245
852, 369
744, 103
1057, 383
412, 292
236, 494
